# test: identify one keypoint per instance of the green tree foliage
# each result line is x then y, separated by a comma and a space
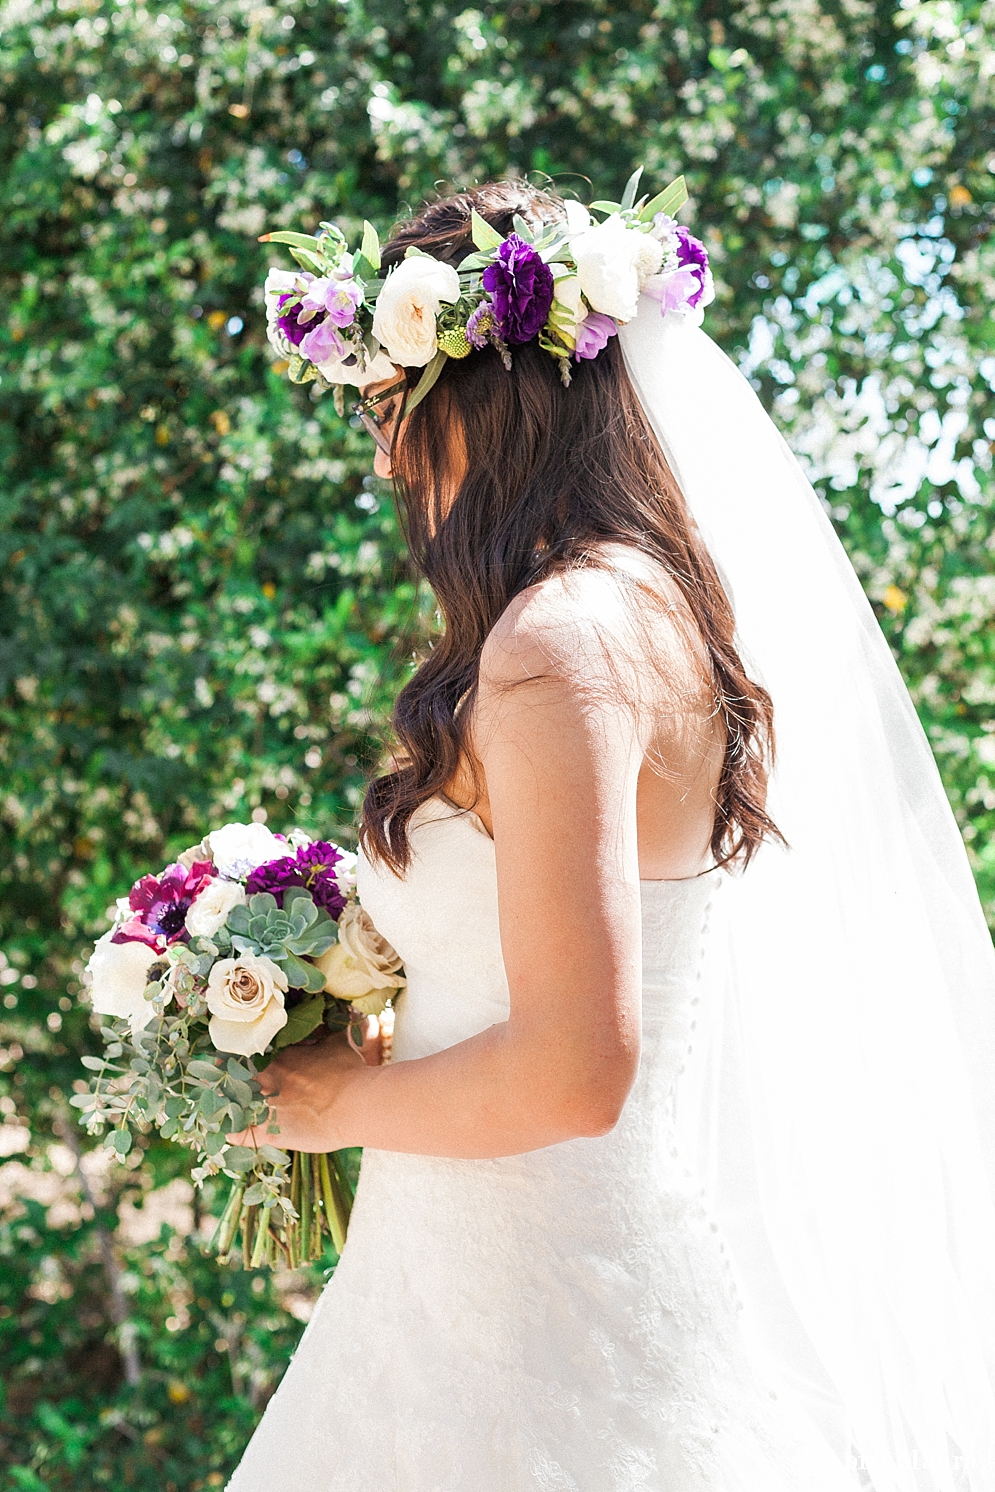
204, 600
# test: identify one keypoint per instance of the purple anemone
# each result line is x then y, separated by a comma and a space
313, 866
520, 285
161, 903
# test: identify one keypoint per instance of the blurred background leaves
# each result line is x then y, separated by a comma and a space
204, 606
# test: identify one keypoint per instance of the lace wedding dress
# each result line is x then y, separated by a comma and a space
562, 1321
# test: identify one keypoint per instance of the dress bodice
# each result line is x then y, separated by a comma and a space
442, 918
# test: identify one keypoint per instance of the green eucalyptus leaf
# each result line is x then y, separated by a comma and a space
240, 1158
273, 1156
206, 1071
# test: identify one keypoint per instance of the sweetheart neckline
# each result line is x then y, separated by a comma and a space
458, 812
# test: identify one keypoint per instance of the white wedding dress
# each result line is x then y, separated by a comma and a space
561, 1321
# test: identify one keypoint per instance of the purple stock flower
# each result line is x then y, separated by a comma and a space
593, 333
161, 904
520, 285
692, 255
313, 867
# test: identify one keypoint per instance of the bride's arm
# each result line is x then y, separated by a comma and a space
561, 756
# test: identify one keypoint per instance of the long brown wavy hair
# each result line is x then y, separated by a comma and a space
547, 476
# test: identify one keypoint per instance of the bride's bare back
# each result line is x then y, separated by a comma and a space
621, 633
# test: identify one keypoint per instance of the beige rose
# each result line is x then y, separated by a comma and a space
245, 996
412, 296
361, 967
209, 910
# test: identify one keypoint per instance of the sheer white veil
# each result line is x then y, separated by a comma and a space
840, 1100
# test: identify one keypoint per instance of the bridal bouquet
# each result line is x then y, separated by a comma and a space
250, 942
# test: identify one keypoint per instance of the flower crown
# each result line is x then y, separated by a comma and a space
568, 284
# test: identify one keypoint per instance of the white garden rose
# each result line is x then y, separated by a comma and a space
119, 973
361, 967
245, 996
239, 848
412, 296
209, 911
613, 264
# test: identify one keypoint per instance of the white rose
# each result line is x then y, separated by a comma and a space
613, 264
210, 909
120, 972
246, 999
412, 296
239, 848
362, 966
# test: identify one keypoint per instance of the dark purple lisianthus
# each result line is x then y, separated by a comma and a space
294, 330
520, 286
692, 254
161, 904
313, 867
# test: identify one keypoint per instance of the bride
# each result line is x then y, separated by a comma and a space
680, 1179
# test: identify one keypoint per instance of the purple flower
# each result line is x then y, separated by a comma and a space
593, 333
520, 285
692, 255
289, 323
481, 324
161, 904
321, 341
313, 867
339, 297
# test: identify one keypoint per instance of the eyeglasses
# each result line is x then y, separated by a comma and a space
365, 413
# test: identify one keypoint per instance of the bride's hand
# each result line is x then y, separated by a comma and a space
301, 1085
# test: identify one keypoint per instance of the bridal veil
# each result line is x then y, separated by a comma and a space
840, 1098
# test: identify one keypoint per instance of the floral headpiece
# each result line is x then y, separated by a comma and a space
570, 284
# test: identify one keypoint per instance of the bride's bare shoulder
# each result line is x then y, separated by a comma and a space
590, 623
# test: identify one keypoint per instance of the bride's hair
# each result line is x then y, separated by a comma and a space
544, 476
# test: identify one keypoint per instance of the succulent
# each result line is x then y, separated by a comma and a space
288, 935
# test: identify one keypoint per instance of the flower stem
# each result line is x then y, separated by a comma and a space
224, 1233
305, 1208
248, 1228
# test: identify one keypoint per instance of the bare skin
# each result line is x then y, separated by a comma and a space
583, 797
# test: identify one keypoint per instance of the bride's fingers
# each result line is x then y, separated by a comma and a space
371, 1049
